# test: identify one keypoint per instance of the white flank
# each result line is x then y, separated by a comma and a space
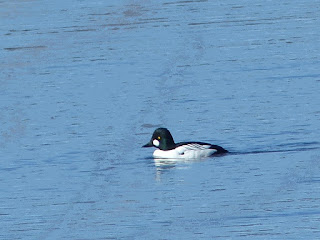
189, 151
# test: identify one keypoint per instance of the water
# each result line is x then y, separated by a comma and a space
84, 84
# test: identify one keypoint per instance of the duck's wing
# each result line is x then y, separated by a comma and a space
192, 146
196, 146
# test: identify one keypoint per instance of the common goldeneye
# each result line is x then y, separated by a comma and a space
167, 148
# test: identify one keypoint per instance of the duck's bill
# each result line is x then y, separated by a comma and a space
149, 144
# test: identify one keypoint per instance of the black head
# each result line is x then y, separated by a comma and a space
162, 139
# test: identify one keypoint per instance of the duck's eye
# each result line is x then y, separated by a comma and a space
159, 138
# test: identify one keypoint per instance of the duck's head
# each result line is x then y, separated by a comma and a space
162, 139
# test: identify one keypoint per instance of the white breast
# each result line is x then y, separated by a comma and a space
188, 151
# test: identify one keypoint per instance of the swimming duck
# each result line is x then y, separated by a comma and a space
167, 148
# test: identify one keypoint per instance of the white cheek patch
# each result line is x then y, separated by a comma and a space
156, 142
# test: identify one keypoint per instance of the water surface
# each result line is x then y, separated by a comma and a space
84, 84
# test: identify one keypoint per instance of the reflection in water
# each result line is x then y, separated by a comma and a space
162, 165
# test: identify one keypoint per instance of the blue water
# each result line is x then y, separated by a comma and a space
83, 84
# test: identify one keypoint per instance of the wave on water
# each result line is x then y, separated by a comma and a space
282, 148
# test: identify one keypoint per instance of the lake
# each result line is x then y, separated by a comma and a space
85, 83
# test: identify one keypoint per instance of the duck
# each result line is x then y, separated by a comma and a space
168, 149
